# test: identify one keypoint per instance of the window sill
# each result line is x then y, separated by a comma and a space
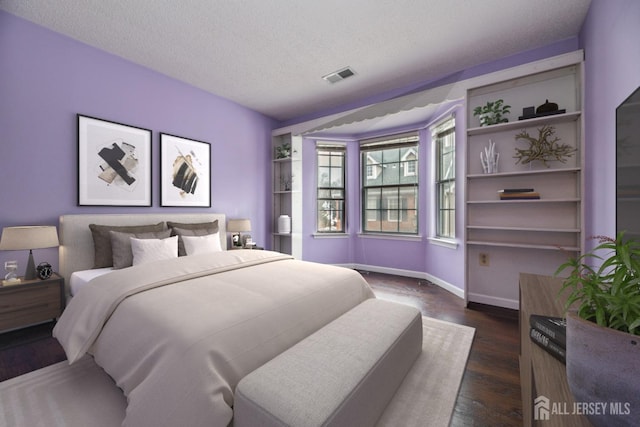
330, 235
446, 243
407, 237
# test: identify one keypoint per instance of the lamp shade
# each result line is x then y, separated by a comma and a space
238, 225
29, 237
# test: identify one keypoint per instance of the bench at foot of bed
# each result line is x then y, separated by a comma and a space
345, 374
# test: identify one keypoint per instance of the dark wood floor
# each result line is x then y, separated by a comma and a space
490, 390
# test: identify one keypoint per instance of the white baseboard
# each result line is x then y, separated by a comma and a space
409, 273
489, 300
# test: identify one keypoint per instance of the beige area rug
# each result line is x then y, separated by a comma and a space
83, 395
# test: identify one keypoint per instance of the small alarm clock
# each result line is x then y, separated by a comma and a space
44, 270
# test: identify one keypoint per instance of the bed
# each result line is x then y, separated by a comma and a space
76, 251
177, 335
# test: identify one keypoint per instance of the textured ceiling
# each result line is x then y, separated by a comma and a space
270, 55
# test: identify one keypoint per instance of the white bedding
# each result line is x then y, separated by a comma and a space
80, 278
178, 335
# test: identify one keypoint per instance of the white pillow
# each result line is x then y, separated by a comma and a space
195, 245
149, 250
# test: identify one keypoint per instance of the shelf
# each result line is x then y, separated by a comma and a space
523, 245
286, 194
286, 160
538, 121
490, 202
533, 235
525, 229
522, 173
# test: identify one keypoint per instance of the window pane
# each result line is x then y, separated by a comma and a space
372, 209
409, 196
337, 194
336, 177
330, 193
445, 177
447, 196
324, 177
324, 160
373, 198
330, 215
391, 173
447, 223
372, 223
409, 223
324, 194
447, 166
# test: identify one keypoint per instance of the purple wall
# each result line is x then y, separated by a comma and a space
610, 38
612, 71
412, 257
47, 78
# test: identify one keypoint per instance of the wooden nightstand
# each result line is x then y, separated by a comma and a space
31, 302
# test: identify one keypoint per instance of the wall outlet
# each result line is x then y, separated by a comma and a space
483, 259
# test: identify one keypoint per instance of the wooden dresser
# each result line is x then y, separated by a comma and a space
540, 373
31, 302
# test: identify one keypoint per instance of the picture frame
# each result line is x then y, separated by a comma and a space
185, 172
114, 163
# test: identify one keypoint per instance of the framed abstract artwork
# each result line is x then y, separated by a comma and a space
114, 163
185, 172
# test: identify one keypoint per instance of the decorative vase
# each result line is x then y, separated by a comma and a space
489, 158
603, 371
284, 224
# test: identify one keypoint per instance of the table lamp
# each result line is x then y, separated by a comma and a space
237, 226
29, 237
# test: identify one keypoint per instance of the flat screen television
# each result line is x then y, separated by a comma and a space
628, 166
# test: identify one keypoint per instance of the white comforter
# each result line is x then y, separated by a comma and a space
177, 336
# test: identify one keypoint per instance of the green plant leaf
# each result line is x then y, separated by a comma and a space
604, 284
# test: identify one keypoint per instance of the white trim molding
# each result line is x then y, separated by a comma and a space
409, 273
495, 301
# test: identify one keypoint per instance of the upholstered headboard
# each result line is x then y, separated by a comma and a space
76, 250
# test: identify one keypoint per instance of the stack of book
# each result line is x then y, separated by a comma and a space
518, 194
550, 333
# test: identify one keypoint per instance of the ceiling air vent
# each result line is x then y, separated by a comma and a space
342, 74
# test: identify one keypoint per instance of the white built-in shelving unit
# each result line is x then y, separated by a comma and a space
507, 237
287, 195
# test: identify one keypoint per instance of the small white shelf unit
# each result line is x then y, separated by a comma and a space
506, 237
287, 195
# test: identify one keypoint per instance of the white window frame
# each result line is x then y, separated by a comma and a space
331, 146
444, 127
410, 138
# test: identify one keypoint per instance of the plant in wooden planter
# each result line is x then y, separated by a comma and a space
603, 332
544, 148
492, 112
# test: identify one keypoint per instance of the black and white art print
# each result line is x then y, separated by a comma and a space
114, 164
185, 172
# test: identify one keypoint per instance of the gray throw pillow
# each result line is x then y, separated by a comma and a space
121, 246
102, 240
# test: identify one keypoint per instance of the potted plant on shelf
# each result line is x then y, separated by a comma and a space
283, 151
492, 112
603, 331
